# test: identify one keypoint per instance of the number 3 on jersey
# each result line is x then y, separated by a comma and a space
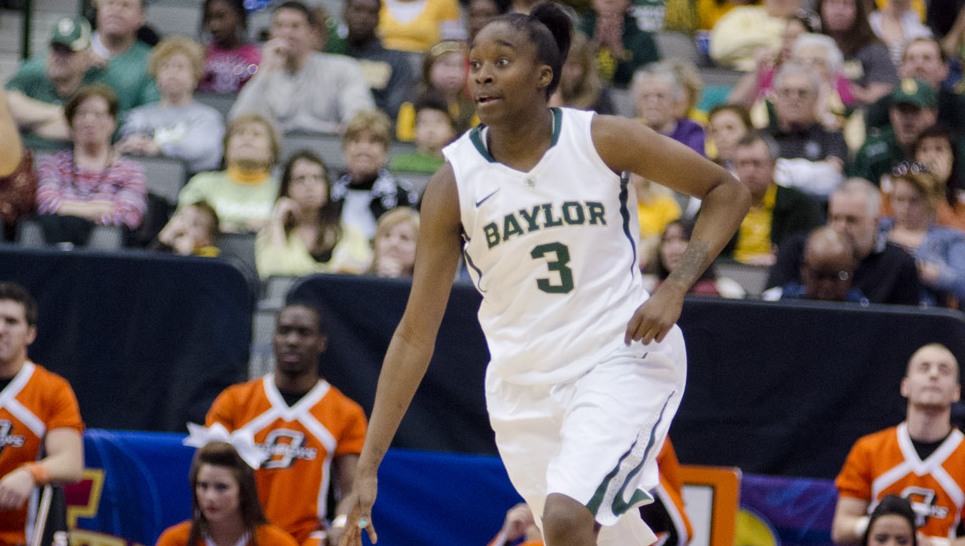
562, 254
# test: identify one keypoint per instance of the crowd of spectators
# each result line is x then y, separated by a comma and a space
839, 89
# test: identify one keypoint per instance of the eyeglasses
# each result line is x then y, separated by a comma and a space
912, 167
792, 93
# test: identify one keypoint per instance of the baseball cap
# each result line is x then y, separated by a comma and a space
72, 32
914, 91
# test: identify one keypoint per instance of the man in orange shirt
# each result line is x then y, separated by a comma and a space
921, 459
312, 432
38, 412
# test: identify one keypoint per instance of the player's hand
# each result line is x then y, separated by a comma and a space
15, 489
360, 514
652, 320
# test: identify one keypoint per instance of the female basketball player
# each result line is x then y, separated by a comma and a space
586, 370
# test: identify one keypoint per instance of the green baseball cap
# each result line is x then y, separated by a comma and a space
916, 92
71, 32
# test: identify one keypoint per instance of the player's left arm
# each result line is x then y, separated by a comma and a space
628, 145
63, 464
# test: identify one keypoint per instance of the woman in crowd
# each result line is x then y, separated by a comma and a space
395, 239
867, 64
305, 234
726, 124
936, 149
671, 247
896, 24
242, 194
891, 522
444, 72
90, 184
580, 84
178, 126
939, 251
230, 60
224, 505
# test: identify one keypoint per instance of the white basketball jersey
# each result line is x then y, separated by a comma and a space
553, 252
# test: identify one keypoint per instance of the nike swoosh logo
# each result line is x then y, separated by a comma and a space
484, 199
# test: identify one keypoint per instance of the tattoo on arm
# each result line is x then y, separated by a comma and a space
692, 264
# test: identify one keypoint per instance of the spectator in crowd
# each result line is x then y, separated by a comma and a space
670, 249
920, 458
896, 24
480, 12
924, 60
866, 62
939, 251
369, 190
749, 31
10, 157
622, 47
827, 270
242, 194
444, 71
394, 244
297, 87
38, 90
689, 77
388, 71
178, 126
434, 129
656, 208
812, 158
891, 522
90, 184
305, 234
414, 26
313, 432
42, 424
580, 84
757, 84
777, 212
192, 231
224, 504
230, 60
121, 60
913, 109
726, 124
884, 274
935, 148
953, 42
658, 95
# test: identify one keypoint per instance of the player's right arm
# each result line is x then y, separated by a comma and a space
845, 526
437, 255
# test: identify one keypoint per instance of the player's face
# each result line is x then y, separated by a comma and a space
891, 530
218, 494
505, 78
297, 341
932, 378
15, 334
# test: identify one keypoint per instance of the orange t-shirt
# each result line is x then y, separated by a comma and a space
265, 535
35, 401
303, 439
886, 463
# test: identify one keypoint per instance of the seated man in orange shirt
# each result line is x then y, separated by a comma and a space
38, 413
312, 431
921, 459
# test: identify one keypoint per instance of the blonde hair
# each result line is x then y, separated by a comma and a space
172, 46
372, 121
245, 119
387, 222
